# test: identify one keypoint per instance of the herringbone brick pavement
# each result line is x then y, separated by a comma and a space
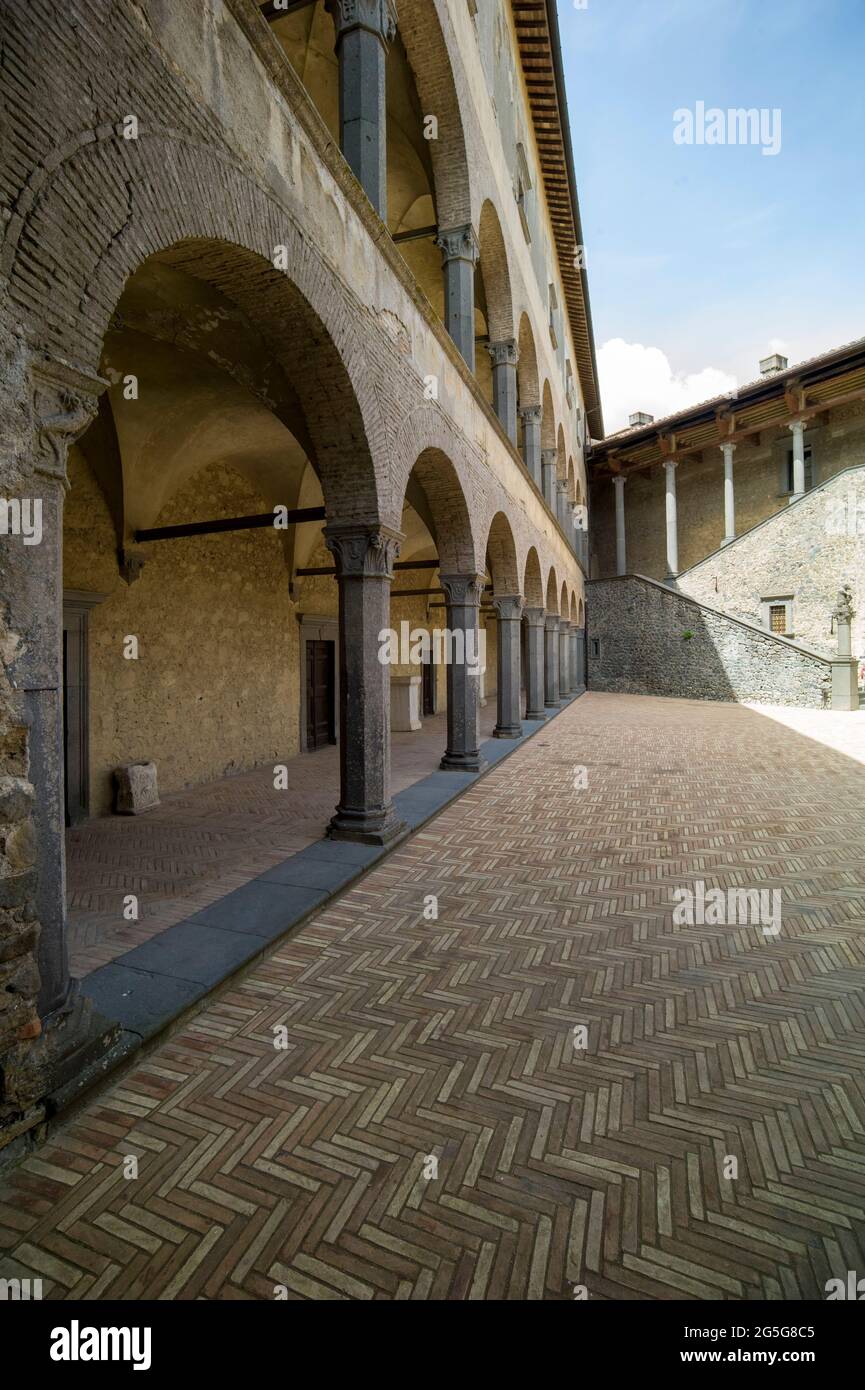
307, 1170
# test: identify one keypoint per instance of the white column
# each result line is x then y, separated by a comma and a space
729, 496
621, 551
670, 466
798, 431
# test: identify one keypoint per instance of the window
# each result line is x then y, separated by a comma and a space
778, 617
569, 383
809, 469
595, 646
777, 614
522, 192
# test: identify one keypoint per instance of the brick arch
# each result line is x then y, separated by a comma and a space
501, 553
573, 605
572, 481
564, 602
552, 602
533, 587
548, 422
528, 387
496, 276
421, 30
426, 434
580, 614
225, 235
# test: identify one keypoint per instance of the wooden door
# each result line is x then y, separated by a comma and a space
320, 726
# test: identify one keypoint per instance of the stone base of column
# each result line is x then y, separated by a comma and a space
728, 540
671, 578
536, 714
77, 1046
845, 683
463, 762
367, 827
508, 731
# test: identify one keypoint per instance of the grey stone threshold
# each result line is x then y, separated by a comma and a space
155, 986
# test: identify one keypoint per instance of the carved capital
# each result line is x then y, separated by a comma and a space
459, 244
535, 617
64, 403
552, 622
508, 606
376, 16
462, 590
505, 353
531, 414
549, 457
363, 552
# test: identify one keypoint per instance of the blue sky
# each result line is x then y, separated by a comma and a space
714, 255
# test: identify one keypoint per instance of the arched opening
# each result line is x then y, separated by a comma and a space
427, 177
529, 400
494, 314
201, 618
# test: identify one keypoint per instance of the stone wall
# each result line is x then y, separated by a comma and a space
654, 641
797, 553
215, 687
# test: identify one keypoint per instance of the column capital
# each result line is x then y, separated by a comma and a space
508, 606
551, 622
671, 465
562, 484
727, 447
362, 551
65, 401
463, 589
535, 617
505, 353
796, 425
549, 456
459, 244
532, 414
376, 16
619, 479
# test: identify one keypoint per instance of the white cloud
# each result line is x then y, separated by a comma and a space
634, 378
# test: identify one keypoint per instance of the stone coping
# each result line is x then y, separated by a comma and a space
155, 986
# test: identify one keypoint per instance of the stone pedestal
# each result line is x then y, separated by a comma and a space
405, 692
135, 789
845, 683
364, 556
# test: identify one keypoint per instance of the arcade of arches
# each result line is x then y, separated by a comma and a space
245, 478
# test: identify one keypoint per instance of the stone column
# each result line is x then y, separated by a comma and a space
462, 598
509, 609
64, 403
460, 251
364, 31
549, 461
364, 555
729, 496
670, 466
566, 684
621, 546
532, 415
552, 696
798, 431
571, 524
535, 621
562, 503
505, 357
579, 675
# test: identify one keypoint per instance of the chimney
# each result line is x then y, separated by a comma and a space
640, 418
770, 365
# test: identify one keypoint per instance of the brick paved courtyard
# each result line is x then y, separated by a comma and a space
307, 1168
198, 845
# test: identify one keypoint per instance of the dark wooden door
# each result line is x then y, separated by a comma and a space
320, 727
75, 715
428, 688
